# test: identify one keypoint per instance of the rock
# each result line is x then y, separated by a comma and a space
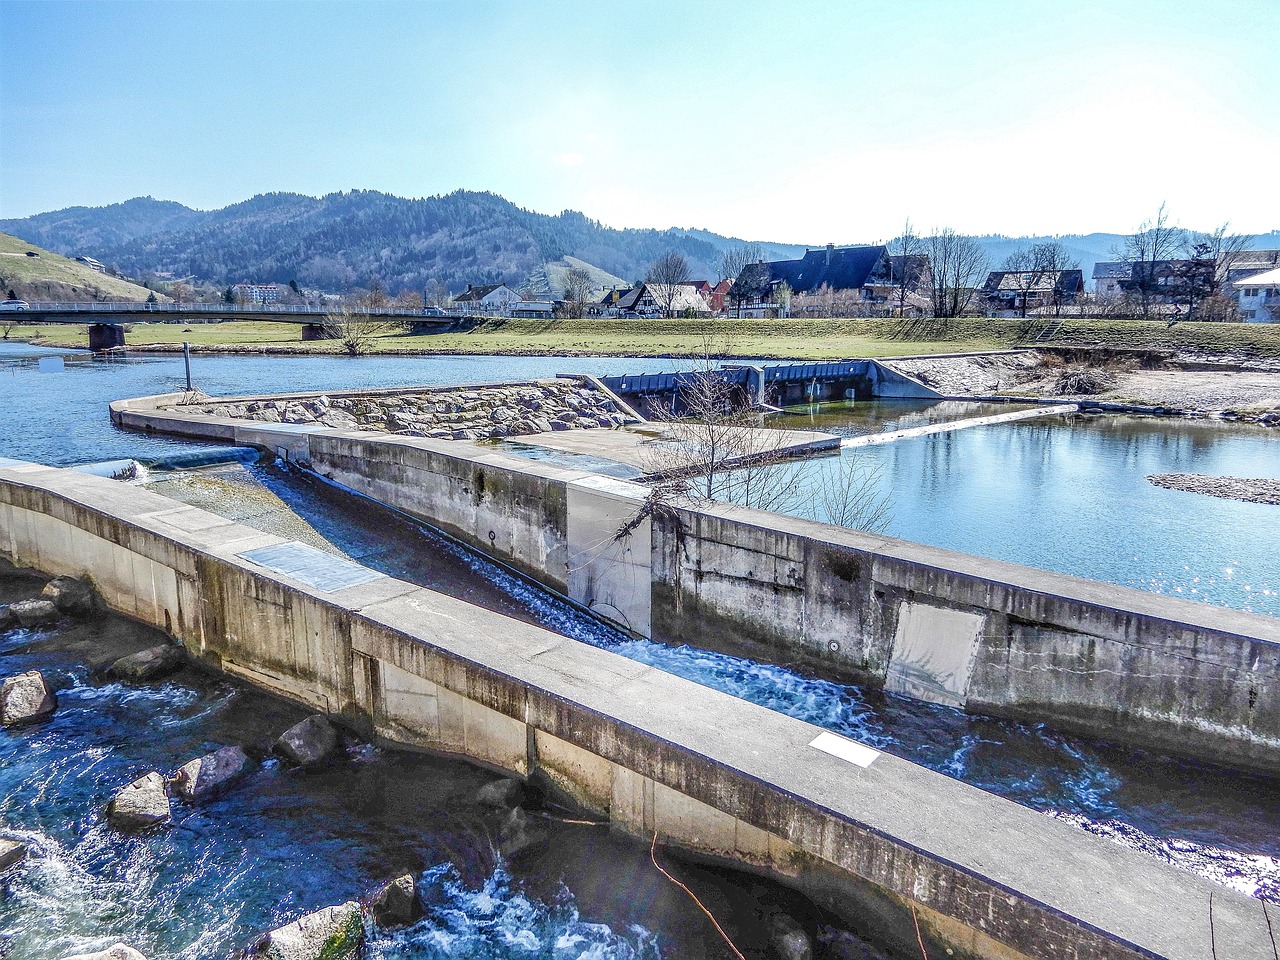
7, 617
119, 951
25, 698
559, 425
517, 832
501, 794
502, 414
211, 774
788, 939
395, 903
334, 933
33, 613
73, 596
309, 742
541, 424
149, 664
11, 854
142, 804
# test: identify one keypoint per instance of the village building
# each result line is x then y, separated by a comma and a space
855, 275
1014, 292
650, 300
1258, 296
491, 300
257, 292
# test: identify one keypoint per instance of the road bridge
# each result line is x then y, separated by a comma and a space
105, 320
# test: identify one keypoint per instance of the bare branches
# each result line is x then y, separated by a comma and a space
956, 263
353, 328
666, 275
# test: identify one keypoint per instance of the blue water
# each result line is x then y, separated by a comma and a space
60, 418
1070, 494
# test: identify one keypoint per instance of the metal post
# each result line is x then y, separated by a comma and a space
186, 358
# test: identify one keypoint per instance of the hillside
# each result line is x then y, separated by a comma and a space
550, 279
49, 276
349, 239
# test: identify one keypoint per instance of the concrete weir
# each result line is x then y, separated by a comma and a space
656, 754
987, 636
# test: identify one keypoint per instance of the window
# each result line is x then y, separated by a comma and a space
1250, 291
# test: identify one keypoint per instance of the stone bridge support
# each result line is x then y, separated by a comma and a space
105, 336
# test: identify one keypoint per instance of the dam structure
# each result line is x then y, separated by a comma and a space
856, 829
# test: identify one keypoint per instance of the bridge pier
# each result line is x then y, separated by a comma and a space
105, 336
316, 331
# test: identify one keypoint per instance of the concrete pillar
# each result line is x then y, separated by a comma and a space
315, 331
105, 336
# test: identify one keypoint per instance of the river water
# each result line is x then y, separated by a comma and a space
1221, 824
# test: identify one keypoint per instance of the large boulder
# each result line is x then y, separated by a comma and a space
11, 853
73, 596
119, 951
33, 613
788, 939
209, 775
8, 618
395, 903
141, 805
334, 933
25, 698
501, 794
309, 742
150, 664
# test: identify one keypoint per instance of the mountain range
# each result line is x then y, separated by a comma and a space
345, 240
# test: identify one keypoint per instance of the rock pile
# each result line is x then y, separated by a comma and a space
1229, 488
454, 414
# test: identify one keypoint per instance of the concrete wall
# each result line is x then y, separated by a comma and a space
987, 636
856, 829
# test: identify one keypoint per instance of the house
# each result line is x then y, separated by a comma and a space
1259, 296
92, 264
608, 304
719, 296
651, 300
764, 288
1248, 262
490, 300
1012, 292
1107, 277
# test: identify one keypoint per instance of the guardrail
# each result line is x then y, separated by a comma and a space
215, 309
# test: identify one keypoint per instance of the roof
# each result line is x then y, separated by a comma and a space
477, 293
1033, 281
840, 268
1260, 279
1112, 270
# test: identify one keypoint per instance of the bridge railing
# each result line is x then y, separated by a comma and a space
187, 309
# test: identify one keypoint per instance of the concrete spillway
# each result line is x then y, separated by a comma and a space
715, 774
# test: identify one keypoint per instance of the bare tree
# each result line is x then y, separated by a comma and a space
715, 448
666, 275
734, 261
906, 249
437, 295
354, 329
1053, 258
577, 291
1024, 274
1155, 242
1225, 249
956, 264
1036, 267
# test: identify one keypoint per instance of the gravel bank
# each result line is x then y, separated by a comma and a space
1229, 488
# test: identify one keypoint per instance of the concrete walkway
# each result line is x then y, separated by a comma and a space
875, 438
635, 446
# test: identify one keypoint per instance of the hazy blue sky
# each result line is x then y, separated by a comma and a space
799, 121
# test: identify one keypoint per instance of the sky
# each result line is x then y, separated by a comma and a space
798, 122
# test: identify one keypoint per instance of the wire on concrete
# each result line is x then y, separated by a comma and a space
653, 847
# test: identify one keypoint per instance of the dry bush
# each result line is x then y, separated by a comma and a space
1084, 381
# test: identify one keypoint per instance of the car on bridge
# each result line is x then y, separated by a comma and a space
10, 305
434, 312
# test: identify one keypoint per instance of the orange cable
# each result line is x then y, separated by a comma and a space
719, 929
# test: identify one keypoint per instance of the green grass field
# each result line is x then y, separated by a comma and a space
53, 277
794, 338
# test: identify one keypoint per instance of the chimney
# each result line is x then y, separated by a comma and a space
830, 247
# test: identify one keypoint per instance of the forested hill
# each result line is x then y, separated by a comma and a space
347, 239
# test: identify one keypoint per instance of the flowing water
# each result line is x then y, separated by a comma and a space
1222, 824
285, 842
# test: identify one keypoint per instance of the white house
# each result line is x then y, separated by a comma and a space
1259, 297
492, 299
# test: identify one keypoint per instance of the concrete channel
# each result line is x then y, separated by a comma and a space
848, 825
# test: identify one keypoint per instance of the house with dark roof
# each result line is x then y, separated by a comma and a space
764, 288
1010, 292
1107, 277
490, 299
650, 300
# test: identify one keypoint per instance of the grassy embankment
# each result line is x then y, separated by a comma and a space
53, 277
794, 338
